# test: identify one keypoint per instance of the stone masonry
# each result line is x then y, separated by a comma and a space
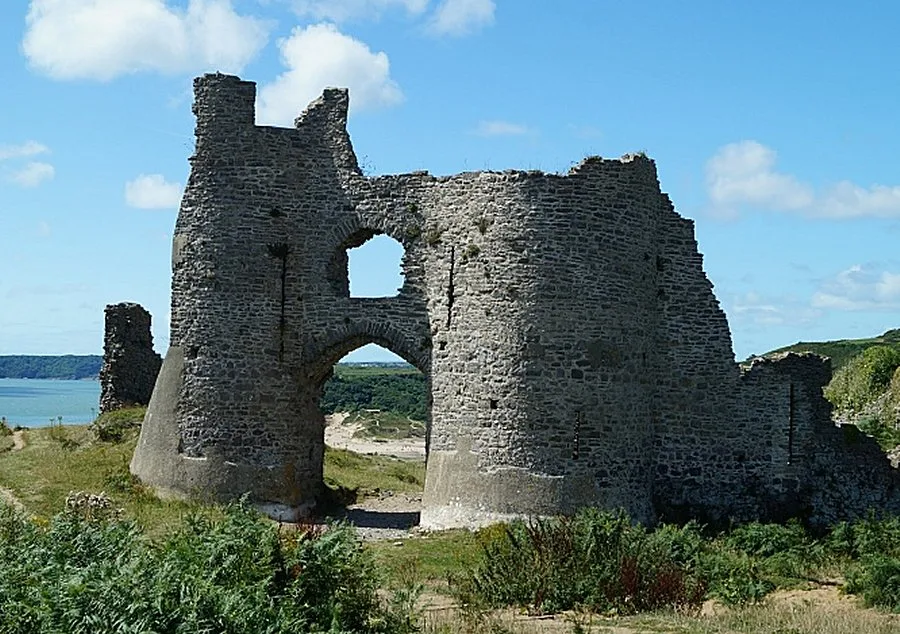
576, 352
130, 365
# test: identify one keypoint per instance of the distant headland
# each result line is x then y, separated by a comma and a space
70, 366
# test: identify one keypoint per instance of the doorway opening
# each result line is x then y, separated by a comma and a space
377, 410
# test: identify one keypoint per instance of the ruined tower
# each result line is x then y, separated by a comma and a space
130, 364
576, 353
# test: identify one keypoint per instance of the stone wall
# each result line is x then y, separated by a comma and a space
576, 352
130, 365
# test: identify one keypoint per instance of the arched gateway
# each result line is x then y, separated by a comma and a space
576, 353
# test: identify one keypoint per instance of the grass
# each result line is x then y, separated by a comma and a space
370, 475
435, 556
386, 425
841, 351
830, 615
60, 459
801, 618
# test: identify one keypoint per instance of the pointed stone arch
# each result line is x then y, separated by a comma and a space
349, 338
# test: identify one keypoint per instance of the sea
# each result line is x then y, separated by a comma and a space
40, 402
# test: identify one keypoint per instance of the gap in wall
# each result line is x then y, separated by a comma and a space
375, 267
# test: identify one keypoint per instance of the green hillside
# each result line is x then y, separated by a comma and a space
396, 388
842, 350
68, 366
865, 387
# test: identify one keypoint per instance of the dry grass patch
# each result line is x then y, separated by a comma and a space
818, 611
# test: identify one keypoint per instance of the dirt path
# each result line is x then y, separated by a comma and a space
390, 515
6, 495
9, 498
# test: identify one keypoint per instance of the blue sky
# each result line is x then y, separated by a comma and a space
774, 126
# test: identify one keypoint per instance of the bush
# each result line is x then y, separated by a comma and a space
6, 440
863, 379
785, 552
116, 425
866, 537
734, 578
405, 394
597, 560
89, 571
877, 579
602, 562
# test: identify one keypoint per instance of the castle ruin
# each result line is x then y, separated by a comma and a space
130, 365
575, 350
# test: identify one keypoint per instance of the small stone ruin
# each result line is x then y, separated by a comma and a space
130, 365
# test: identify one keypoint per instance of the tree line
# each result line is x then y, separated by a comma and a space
404, 393
68, 366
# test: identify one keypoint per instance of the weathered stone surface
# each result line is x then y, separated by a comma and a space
576, 352
130, 365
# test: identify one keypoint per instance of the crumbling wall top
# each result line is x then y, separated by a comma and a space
223, 102
812, 367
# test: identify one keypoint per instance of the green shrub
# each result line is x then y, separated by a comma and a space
403, 393
734, 578
602, 562
6, 440
863, 378
116, 425
882, 430
766, 540
89, 571
597, 560
877, 579
785, 553
866, 537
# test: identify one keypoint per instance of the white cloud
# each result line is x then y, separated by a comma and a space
102, 39
860, 287
888, 286
29, 148
33, 174
460, 17
846, 200
152, 191
342, 10
753, 309
500, 128
37, 290
743, 175
585, 131
319, 56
